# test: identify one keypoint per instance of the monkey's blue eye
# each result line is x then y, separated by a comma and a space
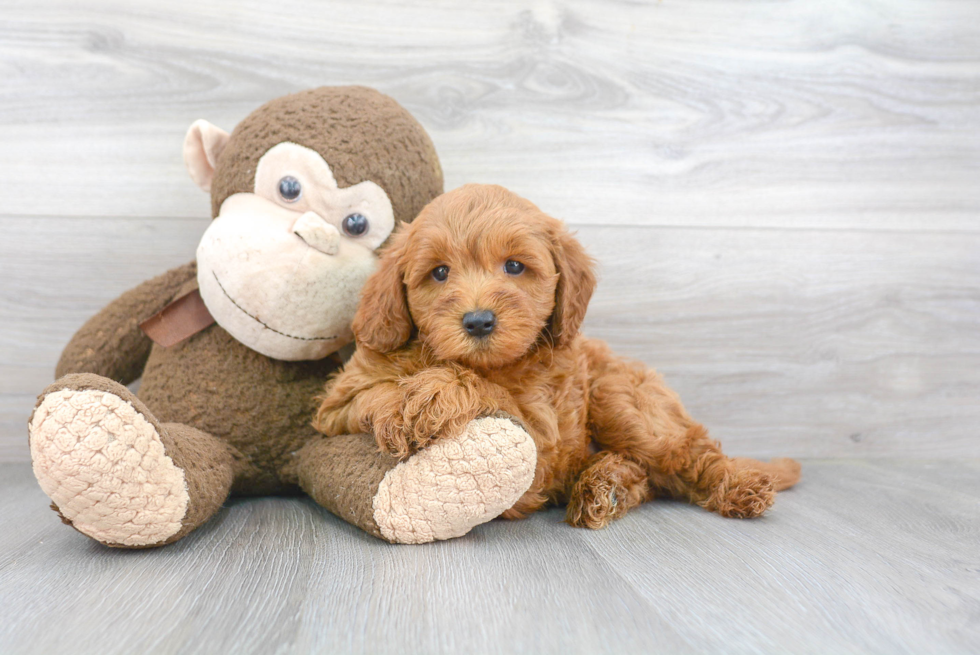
290, 189
440, 273
513, 267
355, 225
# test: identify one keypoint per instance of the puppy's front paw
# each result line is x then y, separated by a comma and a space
745, 495
389, 432
435, 405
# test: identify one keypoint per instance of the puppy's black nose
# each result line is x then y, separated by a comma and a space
479, 323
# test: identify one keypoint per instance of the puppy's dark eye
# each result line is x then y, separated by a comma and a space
290, 189
440, 273
513, 267
355, 225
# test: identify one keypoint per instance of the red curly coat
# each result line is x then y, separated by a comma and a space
610, 435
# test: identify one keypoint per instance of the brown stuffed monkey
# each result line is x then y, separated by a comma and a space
304, 193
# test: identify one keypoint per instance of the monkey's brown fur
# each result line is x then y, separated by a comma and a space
236, 420
417, 375
345, 125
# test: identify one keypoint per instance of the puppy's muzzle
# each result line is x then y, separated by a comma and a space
480, 323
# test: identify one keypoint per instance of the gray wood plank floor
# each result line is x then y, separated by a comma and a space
863, 557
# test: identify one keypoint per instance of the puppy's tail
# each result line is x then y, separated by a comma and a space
785, 472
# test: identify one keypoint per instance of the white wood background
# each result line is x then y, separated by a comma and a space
784, 195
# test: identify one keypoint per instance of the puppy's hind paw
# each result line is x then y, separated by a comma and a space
608, 488
594, 508
745, 494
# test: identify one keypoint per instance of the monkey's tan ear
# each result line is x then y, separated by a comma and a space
202, 146
576, 282
382, 321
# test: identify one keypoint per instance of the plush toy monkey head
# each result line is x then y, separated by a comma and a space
303, 192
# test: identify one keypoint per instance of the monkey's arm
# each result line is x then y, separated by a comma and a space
111, 343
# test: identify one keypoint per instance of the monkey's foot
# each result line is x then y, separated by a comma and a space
440, 492
454, 485
97, 453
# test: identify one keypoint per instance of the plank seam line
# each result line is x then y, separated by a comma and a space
571, 224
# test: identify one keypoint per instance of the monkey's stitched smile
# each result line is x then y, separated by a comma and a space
263, 324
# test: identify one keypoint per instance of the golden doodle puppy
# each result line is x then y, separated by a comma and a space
475, 310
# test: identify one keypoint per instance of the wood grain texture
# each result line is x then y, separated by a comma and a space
783, 197
835, 114
783, 342
863, 557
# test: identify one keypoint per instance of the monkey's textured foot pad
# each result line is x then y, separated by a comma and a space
456, 484
104, 466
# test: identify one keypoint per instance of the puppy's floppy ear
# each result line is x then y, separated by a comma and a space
576, 282
382, 321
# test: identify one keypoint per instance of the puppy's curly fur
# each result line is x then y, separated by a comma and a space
419, 374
